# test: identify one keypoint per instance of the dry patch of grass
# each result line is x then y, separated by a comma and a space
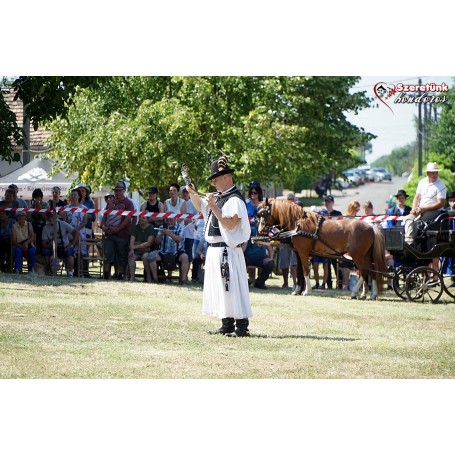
60, 328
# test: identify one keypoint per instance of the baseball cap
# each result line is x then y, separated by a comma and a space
329, 197
153, 189
120, 185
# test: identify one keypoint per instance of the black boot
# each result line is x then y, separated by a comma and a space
226, 328
241, 328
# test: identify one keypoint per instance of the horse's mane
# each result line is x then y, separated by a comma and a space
288, 213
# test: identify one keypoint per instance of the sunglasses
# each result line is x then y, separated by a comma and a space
254, 192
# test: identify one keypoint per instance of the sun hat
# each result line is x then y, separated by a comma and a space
432, 167
108, 195
220, 167
401, 193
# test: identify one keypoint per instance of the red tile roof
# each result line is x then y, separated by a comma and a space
37, 138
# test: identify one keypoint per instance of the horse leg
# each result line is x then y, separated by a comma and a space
356, 288
300, 285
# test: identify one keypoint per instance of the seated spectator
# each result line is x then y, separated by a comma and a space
172, 242
76, 219
66, 236
152, 204
141, 242
38, 219
6, 228
10, 203
23, 238
259, 256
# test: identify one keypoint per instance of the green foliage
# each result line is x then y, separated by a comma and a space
45, 98
401, 159
272, 128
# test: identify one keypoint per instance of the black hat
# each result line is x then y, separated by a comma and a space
255, 184
451, 195
153, 189
220, 167
329, 197
401, 193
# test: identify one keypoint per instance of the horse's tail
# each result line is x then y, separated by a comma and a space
379, 258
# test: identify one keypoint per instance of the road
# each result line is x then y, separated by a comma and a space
377, 193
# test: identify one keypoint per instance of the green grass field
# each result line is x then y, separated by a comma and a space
88, 328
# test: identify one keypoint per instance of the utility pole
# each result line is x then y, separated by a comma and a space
419, 136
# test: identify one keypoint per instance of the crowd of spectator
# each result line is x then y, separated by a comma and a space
162, 244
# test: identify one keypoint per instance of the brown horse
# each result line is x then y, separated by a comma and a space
312, 234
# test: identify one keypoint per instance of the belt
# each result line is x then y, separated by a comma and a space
221, 244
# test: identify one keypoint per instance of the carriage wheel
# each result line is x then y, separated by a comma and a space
448, 276
399, 282
424, 283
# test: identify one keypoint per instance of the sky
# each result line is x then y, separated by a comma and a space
393, 129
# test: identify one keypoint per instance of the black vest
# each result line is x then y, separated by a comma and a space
214, 227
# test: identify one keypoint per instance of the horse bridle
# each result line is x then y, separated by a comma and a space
272, 232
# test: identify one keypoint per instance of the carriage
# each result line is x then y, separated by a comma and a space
365, 247
414, 278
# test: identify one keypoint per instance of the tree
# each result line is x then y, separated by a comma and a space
271, 128
45, 98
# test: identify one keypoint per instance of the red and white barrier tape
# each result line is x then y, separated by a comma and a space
175, 215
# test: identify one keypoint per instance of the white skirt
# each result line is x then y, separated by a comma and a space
216, 301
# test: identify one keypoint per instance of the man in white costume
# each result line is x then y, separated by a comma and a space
225, 293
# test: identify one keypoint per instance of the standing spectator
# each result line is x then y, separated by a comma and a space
56, 201
226, 293
67, 237
6, 229
451, 199
141, 242
329, 202
399, 209
174, 204
23, 240
20, 202
117, 231
316, 260
198, 261
172, 242
352, 209
259, 256
10, 203
428, 201
87, 201
189, 231
288, 258
78, 220
255, 197
38, 219
152, 204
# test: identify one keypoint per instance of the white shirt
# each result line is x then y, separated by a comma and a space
430, 192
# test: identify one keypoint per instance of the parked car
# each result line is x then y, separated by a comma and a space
352, 177
381, 174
